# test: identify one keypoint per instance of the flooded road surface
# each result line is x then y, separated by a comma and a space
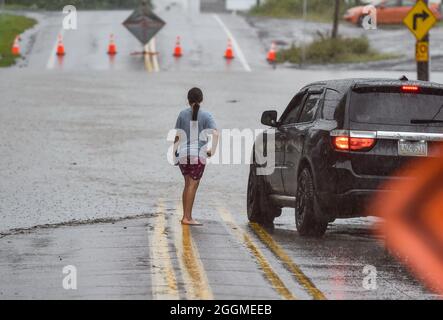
86, 189
90, 150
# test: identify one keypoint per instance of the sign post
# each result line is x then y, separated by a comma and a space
419, 21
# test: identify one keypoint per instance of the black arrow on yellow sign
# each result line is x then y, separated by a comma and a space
424, 15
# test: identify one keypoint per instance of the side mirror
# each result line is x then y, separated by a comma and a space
269, 118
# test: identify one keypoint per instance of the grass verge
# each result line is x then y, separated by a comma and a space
10, 27
317, 10
327, 50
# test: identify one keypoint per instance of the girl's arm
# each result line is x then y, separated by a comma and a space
215, 138
176, 144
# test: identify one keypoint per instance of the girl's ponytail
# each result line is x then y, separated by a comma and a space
195, 97
195, 109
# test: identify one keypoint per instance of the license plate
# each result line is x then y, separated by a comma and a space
413, 148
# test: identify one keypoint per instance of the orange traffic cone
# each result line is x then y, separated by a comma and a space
16, 47
60, 47
178, 52
272, 54
229, 54
112, 48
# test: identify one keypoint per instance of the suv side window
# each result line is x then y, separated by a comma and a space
310, 109
332, 99
293, 109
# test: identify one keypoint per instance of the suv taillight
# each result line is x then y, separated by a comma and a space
344, 140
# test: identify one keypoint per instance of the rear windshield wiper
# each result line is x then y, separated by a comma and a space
425, 121
433, 120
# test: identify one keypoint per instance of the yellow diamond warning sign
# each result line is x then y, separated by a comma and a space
420, 20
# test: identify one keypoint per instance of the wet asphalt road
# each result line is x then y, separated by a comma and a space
204, 38
84, 179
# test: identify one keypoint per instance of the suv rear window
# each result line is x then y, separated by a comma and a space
395, 108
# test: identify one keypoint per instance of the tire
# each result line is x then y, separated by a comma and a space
308, 225
259, 207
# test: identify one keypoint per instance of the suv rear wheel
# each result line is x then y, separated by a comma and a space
260, 208
305, 218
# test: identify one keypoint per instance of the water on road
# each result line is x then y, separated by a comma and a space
85, 181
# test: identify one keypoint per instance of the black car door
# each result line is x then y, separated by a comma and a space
290, 115
296, 133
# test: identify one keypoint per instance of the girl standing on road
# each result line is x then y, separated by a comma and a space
191, 149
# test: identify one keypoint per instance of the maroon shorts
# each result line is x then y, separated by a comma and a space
193, 167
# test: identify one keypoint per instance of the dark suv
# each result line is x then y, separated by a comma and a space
335, 145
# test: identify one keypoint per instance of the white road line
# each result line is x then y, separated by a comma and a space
235, 44
51, 61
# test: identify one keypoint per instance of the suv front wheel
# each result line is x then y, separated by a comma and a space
260, 208
305, 218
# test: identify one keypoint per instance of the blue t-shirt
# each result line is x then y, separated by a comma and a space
195, 131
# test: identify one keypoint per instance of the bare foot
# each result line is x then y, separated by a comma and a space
192, 222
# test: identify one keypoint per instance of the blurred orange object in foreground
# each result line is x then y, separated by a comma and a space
414, 220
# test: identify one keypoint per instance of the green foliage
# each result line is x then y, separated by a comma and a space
10, 27
292, 55
79, 4
328, 50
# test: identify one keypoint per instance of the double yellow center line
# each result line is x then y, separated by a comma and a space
164, 279
165, 283
280, 253
267, 269
194, 274
151, 56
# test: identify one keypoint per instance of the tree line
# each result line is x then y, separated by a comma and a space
79, 4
